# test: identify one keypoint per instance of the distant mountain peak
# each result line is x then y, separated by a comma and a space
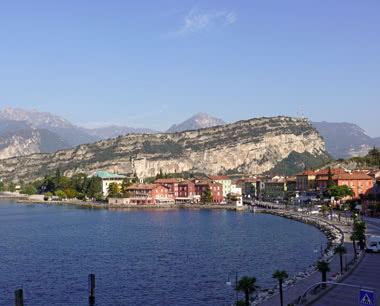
34, 117
198, 121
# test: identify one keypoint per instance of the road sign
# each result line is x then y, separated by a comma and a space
366, 297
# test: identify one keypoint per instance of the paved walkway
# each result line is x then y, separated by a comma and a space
291, 294
367, 274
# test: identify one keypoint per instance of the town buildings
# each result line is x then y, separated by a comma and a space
224, 180
221, 189
107, 179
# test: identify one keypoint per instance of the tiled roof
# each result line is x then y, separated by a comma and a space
143, 187
169, 181
353, 176
219, 177
333, 171
347, 176
187, 182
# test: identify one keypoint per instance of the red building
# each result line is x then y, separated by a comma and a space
172, 184
216, 190
149, 194
186, 189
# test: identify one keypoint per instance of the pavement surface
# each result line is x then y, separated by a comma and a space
292, 293
365, 275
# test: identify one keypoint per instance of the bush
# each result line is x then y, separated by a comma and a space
60, 194
47, 196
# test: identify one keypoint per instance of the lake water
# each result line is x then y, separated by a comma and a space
143, 257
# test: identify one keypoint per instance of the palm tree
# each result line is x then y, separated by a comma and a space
248, 286
324, 210
353, 237
323, 267
281, 276
340, 250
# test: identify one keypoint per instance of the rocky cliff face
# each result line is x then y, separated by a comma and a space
251, 146
29, 141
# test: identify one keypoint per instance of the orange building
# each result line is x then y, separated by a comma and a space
359, 182
149, 194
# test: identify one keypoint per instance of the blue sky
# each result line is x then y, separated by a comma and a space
155, 63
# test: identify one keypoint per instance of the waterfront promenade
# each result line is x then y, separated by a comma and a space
367, 274
364, 272
291, 294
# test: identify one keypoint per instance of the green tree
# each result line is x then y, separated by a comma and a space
339, 192
49, 184
324, 210
2, 186
323, 267
63, 183
28, 189
60, 194
71, 193
281, 276
113, 190
12, 187
125, 184
330, 181
248, 286
94, 186
47, 196
207, 196
359, 229
340, 250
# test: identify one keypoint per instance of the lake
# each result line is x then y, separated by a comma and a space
144, 257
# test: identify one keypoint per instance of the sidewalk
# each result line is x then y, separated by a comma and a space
367, 274
292, 294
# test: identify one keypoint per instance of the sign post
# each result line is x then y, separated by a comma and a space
366, 297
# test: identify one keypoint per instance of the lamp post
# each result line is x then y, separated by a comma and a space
236, 282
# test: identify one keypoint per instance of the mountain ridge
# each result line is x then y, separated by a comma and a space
249, 146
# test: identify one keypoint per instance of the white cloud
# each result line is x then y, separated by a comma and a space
196, 21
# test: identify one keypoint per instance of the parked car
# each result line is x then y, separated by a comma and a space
373, 244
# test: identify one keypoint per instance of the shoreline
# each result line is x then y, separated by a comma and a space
335, 236
89, 204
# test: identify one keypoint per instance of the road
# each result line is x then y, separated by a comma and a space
367, 274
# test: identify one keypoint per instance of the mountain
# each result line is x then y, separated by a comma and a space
248, 147
198, 121
29, 141
70, 133
345, 140
116, 131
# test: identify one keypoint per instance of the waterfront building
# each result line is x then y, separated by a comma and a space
275, 190
186, 192
216, 190
291, 185
107, 179
249, 188
308, 180
149, 194
359, 182
172, 185
224, 180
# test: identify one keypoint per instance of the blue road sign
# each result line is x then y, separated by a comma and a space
366, 297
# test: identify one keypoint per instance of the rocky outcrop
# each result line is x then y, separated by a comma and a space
29, 141
252, 146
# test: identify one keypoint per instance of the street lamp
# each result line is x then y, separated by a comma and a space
229, 283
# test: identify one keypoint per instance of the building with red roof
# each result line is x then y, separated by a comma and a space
359, 182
